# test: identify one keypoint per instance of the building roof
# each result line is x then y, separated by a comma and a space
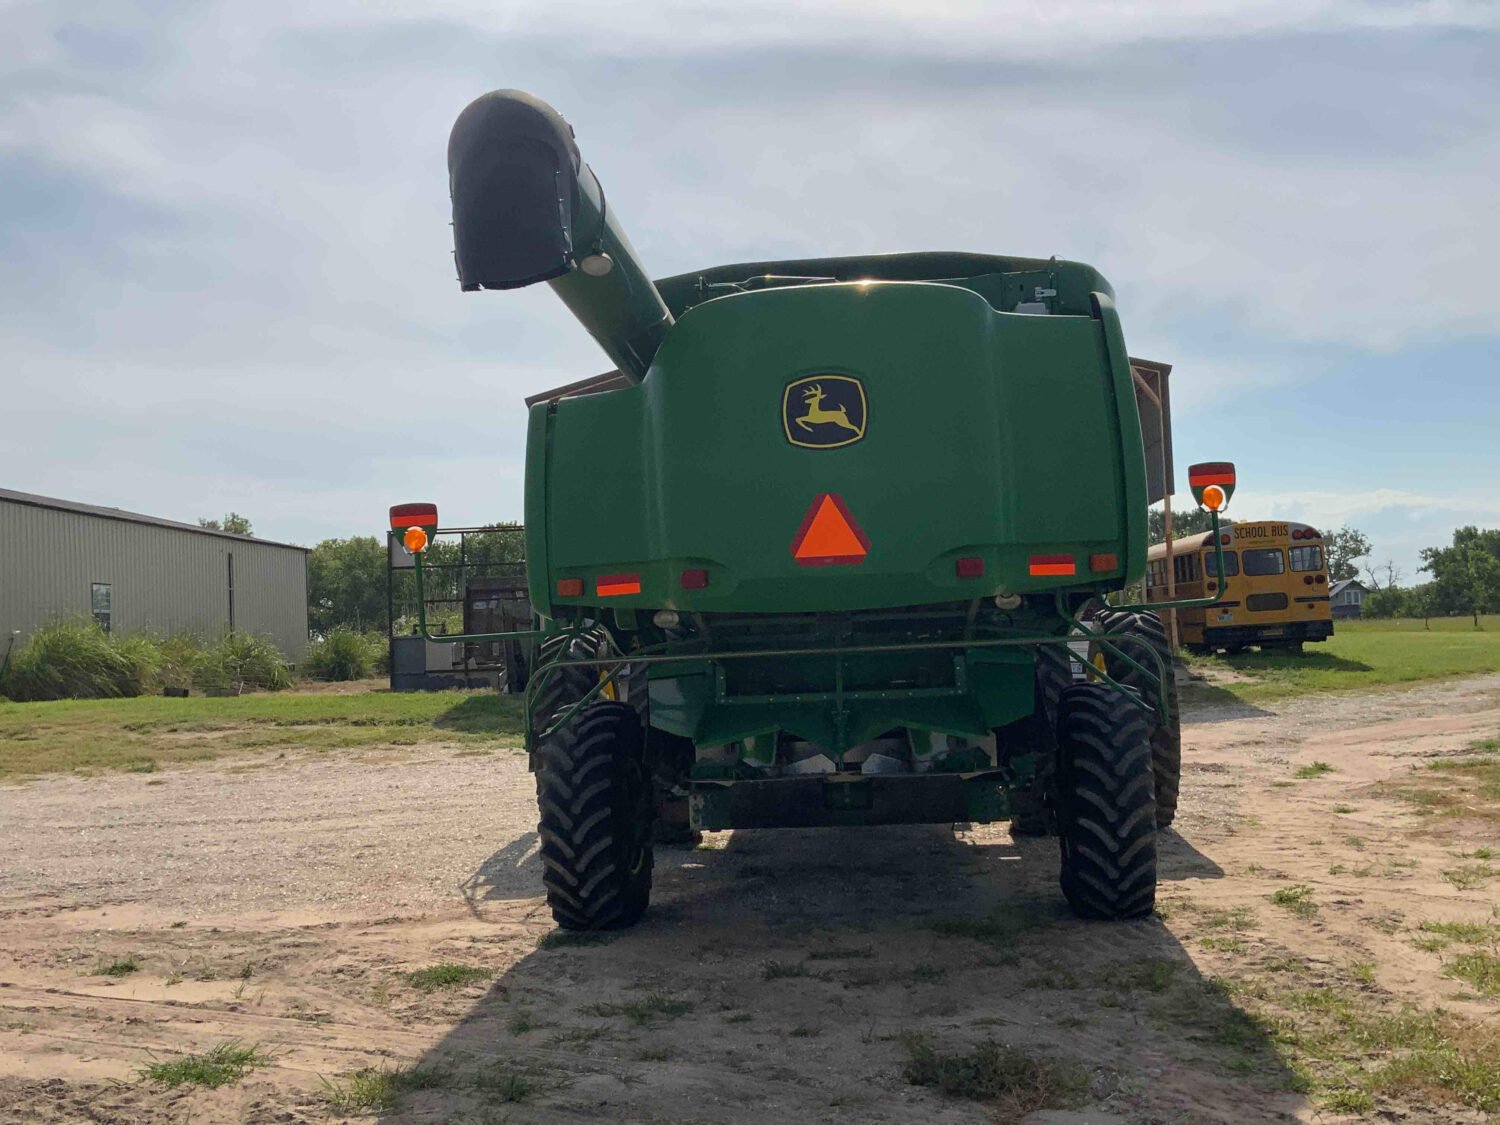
35, 501
1342, 583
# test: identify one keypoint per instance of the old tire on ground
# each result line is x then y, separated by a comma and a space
1034, 805
597, 807
1106, 805
1166, 735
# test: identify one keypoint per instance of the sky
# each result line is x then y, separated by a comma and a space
225, 264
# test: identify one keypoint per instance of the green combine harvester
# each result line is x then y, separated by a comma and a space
820, 558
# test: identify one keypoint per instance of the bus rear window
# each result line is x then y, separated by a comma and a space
1264, 560
1307, 558
1231, 564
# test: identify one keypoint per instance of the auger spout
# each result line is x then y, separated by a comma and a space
526, 208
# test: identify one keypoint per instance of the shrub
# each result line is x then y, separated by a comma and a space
240, 662
74, 659
345, 655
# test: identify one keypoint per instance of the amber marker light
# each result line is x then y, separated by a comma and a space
1214, 498
415, 540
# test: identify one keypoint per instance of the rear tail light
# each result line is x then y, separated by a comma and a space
1307, 579
1322, 578
1053, 566
969, 568
1297, 534
617, 585
695, 579
1212, 586
1224, 539
1311, 533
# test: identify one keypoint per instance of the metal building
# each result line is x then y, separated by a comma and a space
134, 573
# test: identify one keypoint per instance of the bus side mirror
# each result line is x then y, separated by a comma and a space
1212, 483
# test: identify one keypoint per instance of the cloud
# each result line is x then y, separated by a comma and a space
223, 227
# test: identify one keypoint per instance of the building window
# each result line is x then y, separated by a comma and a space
99, 604
1265, 560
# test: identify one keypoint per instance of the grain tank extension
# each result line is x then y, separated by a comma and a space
818, 559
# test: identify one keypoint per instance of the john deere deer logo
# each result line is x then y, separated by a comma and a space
824, 411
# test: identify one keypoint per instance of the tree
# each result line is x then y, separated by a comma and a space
1392, 574
1343, 547
1466, 576
1188, 522
346, 584
233, 523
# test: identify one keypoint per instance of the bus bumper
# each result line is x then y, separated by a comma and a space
1234, 636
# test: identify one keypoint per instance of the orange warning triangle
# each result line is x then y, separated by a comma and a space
829, 535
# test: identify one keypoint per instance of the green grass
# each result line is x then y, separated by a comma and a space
644, 1013
1316, 769
1362, 655
121, 967
1478, 968
102, 734
225, 1065
446, 975
1015, 1081
1297, 899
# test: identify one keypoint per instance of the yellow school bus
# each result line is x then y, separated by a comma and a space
1277, 586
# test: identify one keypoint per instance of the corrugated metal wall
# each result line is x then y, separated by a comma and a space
160, 578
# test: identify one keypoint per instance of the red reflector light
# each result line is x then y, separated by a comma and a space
615, 585
1103, 562
969, 568
1224, 539
413, 515
1297, 534
1310, 533
570, 587
1053, 566
694, 579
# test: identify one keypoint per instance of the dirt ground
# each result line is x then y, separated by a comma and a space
777, 977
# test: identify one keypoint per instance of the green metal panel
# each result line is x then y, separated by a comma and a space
989, 434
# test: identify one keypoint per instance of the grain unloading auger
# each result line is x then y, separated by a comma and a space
819, 559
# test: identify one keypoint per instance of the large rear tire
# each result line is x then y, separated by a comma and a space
1166, 734
560, 688
1106, 805
597, 807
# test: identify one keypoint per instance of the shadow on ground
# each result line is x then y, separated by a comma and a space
787, 975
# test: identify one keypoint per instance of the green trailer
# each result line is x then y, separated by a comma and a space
819, 558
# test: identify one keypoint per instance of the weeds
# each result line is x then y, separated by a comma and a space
225, 1065
446, 975
1014, 1079
1296, 898
1478, 968
510, 1086
1316, 769
645, 1012
836, 953
780, 970
1469, 876
121, 967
